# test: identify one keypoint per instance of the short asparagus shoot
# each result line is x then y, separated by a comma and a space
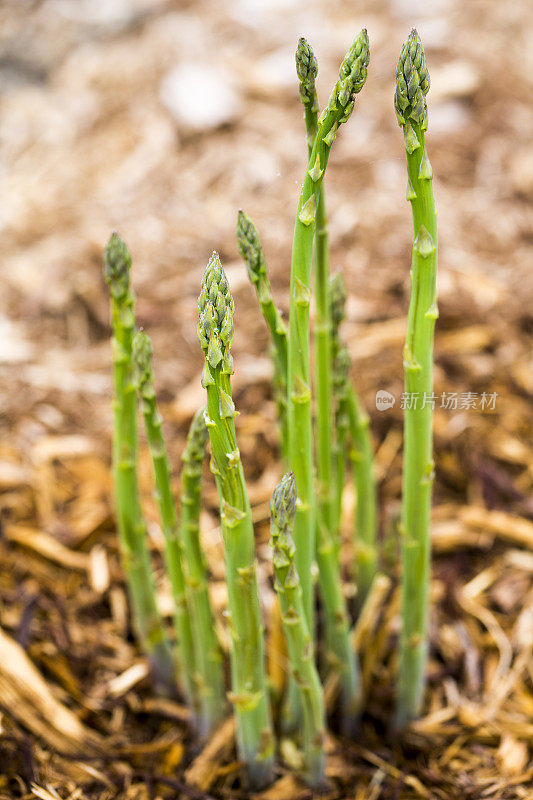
412, 85
255, 739
299, 641
130, 522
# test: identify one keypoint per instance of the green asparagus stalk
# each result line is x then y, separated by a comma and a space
255, 740
352, 76
144, 378
307, 69
209, 664
130, 522
412, 85
340, 381
249, 246
362, 459
353, 425
299, 641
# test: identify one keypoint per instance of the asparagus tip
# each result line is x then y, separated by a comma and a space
249, 245
117, 265
196, 438
307, 70
412, 83
215, 315
283, 502
337, 298
142, 353
352, 73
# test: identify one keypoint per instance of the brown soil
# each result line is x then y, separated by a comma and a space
89, 146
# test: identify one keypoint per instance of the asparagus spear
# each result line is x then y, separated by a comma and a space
249, 246
352, 420
307, 69
255, 738
362, 459
210, 676
250, 249
412, 85
341, 655
131, 524
340, 380
142, 353
352, 76
299, 641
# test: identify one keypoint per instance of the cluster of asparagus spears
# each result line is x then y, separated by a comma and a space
306, 505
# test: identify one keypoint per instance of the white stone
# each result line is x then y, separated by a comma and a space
449, 116
454, 79
200, 97
112, 15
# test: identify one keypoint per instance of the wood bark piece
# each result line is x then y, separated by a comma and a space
46, 546
204, 768
26, 697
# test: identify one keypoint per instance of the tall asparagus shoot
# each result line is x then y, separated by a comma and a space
255, 740
412, 85
209, 665
352, 75
131, 525
251, 251
307, 70
299, 641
